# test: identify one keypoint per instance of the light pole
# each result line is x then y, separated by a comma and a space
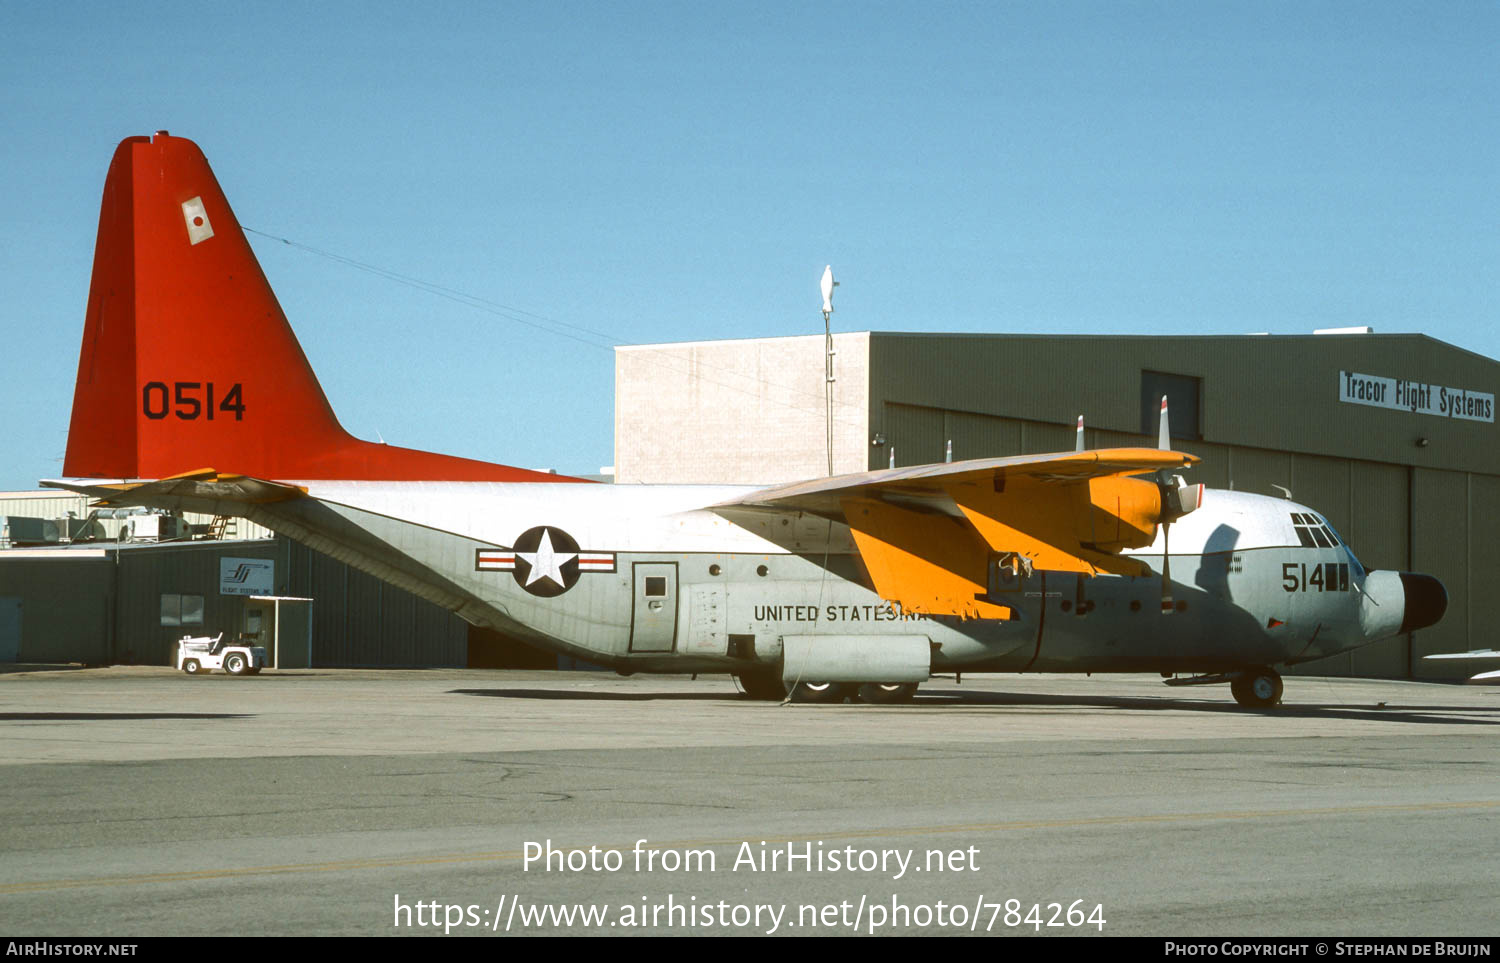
827, 286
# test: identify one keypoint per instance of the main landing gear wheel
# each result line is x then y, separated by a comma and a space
887, 693
1257, 688
766, 686
820, 692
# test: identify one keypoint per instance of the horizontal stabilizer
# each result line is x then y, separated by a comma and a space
1493, 654
204, 491
1474, 655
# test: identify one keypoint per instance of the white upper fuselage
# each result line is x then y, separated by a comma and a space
676, 518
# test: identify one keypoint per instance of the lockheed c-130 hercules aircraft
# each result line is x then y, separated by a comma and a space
193, 394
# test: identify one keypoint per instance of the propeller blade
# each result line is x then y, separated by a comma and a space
1163, 432
1168, 606
1078, 446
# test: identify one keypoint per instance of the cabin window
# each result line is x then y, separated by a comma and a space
656, 587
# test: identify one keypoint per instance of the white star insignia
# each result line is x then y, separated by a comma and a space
546, 563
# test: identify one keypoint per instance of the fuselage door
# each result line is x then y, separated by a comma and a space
653, 624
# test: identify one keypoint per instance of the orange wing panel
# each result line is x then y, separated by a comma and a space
927, 564
1073, 527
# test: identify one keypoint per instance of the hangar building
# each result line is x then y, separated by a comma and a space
1392, 437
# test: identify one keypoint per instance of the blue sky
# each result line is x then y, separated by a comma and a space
665, 171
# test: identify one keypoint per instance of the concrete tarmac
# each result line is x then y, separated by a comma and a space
139, 802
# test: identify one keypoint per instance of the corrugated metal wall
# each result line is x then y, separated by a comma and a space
66, 605
916, 433
44, 504
146, 573
1482, 562
102, 610
359, 620
1267, 393
1377, 529
1440, 546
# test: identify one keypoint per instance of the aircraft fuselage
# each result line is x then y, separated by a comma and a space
643, 578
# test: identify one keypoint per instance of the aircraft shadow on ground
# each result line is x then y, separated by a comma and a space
588, 695
8, 668
1423, 714
1416, 714
114, 716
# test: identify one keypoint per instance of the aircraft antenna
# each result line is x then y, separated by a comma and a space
827, 286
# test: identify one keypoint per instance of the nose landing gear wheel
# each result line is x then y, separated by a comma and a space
1257, 688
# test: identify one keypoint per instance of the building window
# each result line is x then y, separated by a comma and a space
181, 609
1184, 394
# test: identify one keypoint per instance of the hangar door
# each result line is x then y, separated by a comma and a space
10, 628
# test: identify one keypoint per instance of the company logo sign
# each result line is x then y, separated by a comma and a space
247, 576
1417, 397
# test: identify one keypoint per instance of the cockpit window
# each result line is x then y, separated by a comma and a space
1312, 532
1333, 533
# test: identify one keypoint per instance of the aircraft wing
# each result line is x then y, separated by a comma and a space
927, 534
822, 495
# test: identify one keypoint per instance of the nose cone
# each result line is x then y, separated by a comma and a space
1426, 601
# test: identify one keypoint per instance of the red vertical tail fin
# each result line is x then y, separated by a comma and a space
188, 361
